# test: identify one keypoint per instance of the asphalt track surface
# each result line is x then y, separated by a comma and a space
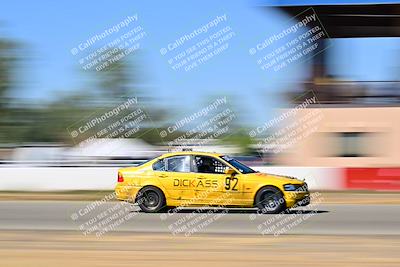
323, 219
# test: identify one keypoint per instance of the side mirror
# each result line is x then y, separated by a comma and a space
229, 171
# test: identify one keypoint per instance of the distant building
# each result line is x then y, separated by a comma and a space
347, 137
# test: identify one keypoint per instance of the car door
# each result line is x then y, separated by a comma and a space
175, 175
214, 187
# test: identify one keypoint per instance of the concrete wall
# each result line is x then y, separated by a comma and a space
104, 178
57, 178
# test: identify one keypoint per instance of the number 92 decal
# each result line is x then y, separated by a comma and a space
231, 183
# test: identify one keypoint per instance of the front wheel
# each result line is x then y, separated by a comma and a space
151, 199
269, 200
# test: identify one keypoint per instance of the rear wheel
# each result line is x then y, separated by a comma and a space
151, 199
269, 200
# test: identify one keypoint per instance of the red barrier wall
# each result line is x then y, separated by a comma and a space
373, 178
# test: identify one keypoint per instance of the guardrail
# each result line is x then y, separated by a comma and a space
72, 163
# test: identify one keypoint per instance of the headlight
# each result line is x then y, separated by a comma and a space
289, 187
305, 187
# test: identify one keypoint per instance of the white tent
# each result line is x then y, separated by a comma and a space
115, 148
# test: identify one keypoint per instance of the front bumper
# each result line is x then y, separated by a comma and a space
296, 199
304, 202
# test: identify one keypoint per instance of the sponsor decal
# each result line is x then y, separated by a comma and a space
190, 183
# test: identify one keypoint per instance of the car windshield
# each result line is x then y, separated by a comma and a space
238, 165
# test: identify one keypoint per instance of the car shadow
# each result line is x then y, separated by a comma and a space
236, 211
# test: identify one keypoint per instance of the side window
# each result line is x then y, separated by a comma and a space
159, 165
206, 164
178, 164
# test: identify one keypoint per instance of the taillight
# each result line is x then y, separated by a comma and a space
120, 178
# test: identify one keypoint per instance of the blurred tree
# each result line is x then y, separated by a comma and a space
115, 74
8, 60
23, 122
237, 134
118, 77
241, 139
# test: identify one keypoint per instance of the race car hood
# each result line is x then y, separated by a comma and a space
276, 178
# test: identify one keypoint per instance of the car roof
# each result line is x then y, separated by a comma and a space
191, 153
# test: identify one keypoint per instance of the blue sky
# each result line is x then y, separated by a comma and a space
320, 2
51, 28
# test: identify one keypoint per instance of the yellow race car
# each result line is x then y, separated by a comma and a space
193, 179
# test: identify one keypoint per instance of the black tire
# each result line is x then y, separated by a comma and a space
269, 200
151, 199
